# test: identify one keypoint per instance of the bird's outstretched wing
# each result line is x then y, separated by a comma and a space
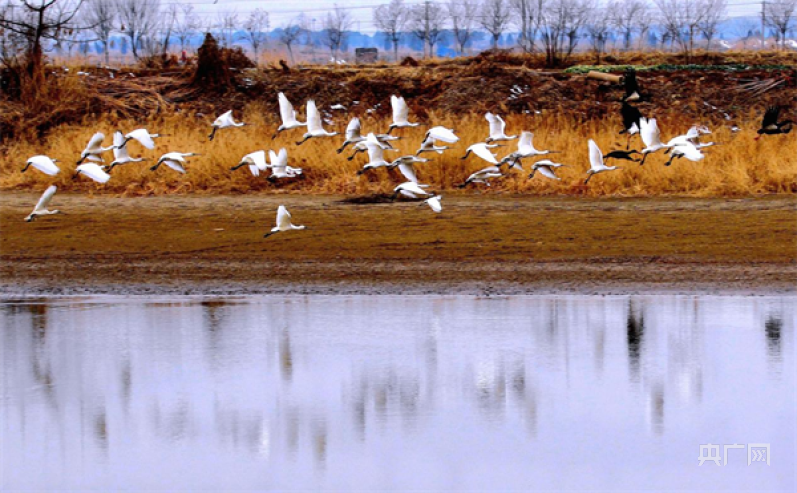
44, 164
484, 153
142, 136
526, 142
649, 131
401, 112
119, 150
496, 123
283, 217
282, 157
313, 117
94, 172
434, 203
771, 117
408, 171
353, 129
547, 172
45, 199
595, 155
287, 114
443, 134
95, 143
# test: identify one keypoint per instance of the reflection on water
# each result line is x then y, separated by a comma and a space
395, 393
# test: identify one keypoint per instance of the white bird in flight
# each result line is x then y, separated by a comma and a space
120, 154
406, 166
43, 164
497, 128
174, 160
94, 149
93, 171
224, 121
651, 137
596, 161
143, 137
434, 203
525, 149
401, 114
692, 137
314, 126
41, 205
283, 222
410, 189
279, 166
483, 176
546, 168
482, 149
687, 150
287, 115
353, 135
256, 162
376, 158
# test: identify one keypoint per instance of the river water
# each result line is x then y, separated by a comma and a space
397, 393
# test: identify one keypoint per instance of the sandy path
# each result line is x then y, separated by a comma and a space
496, 244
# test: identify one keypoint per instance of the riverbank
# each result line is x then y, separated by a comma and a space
498, 244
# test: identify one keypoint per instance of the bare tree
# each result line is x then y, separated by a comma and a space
290, 35
427, 20
626, 17
463, 15
779, 15
598, 29
743, 29
139, 21
561, 22
495, 18
528, 13
391, 19
227, 23
336, 25
33, 21
166, 23
256, 30
186, 25
681, 20
714, 12
101, 15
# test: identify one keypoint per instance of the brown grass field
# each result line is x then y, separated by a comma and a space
740, 166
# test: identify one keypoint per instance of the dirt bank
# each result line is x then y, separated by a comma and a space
503, 244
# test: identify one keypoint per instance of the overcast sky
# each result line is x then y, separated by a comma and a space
281, 11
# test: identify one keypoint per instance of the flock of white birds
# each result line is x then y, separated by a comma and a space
375, 145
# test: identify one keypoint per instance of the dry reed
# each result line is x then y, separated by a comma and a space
741, 166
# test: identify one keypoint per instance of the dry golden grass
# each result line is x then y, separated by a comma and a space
739, 167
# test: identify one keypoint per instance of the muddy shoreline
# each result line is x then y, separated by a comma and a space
479, 245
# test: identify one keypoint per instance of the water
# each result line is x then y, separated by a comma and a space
396, 393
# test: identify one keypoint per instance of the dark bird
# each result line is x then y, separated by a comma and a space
627, 155
631, 86
770, 124
631, 121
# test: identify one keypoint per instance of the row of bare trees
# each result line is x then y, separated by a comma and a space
149, 26
556, 27
552, 27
